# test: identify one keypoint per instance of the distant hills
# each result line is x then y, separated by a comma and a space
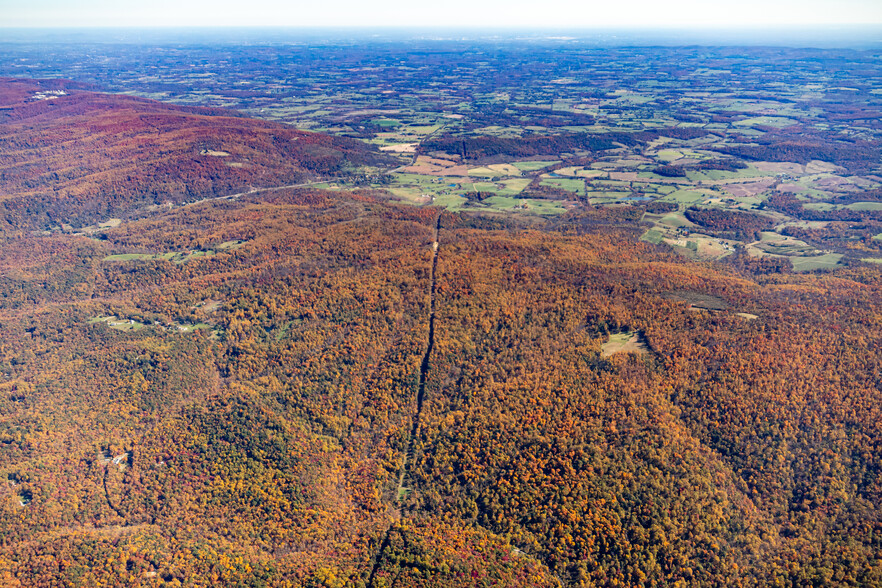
69, 155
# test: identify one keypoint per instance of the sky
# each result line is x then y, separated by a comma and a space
565, 14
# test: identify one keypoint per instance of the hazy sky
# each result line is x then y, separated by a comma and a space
447, 13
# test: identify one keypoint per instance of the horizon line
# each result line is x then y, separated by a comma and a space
741, 26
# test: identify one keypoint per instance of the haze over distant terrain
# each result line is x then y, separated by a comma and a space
858, 36
455, 13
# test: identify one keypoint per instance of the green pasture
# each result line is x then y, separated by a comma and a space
807, 264
533, 165
570, 185
714, 175
616, 184
613, 196
864, 206
652, 236
821, 206
532, 205
424, 183
451, 202
687, 196
509, 187
669, 155
386, 123
495, 170
676, 220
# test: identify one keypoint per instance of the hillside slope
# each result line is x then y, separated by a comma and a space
71, 156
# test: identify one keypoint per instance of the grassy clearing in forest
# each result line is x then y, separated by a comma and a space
630, 342
117, 323
123, 324
175, 256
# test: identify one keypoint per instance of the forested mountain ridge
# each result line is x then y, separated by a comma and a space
225, 393
72, 156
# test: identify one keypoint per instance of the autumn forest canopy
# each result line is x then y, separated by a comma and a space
469, 338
